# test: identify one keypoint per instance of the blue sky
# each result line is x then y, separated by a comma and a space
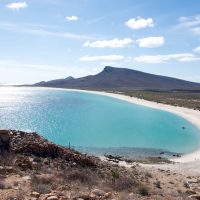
49, 39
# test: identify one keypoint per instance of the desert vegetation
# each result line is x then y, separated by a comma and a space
37, 169
188, 99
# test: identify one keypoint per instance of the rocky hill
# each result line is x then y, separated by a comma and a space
122, 79
32, 168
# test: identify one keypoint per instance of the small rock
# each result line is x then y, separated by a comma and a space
9, 169
108, 195
98, 192
35, 194
64, 198
195, 196
52, 198
2, 170
26, 178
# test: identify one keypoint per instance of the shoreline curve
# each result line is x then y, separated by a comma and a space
193, 116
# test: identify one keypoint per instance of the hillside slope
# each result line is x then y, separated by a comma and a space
122, 78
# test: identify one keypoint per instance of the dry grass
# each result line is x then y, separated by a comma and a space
143, 190
2, 185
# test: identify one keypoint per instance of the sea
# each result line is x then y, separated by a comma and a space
96, 124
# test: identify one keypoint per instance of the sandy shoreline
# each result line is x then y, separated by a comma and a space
193, 116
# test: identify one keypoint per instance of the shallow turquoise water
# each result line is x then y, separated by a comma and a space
91, 120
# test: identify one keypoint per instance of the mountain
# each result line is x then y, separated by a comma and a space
122, 78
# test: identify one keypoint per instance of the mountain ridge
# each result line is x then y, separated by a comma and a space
122, 78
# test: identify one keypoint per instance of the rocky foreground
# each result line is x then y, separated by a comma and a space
32, 168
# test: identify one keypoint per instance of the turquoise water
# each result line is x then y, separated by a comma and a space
90, 120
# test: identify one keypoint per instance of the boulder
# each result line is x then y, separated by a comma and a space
4, 140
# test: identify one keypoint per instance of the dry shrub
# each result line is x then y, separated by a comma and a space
41, 188
86, 177
42, 183
124, 183
77, 175
18, 196
2, 185
46, 179
143, 190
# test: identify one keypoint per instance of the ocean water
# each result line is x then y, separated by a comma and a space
91, 121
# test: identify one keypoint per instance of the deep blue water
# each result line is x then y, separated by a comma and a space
90, 120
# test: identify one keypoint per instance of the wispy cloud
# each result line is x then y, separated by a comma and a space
17, 5
98, 19
16, 65
36, 72
42, 30
114, 43
138, 23
197, 49
72, 18
151, 42
191, 23
154, 59
104, 58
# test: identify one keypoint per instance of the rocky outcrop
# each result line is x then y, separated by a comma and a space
33, 144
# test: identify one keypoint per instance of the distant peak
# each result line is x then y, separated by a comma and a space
108, 68
69, 78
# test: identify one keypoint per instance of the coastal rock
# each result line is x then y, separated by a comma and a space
24, 163
34, 145
4, 140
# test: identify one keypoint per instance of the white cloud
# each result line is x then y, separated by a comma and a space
17, 5
104, 58
72, 18
114, 43
197, 49
138, 23
182, 57
151, 42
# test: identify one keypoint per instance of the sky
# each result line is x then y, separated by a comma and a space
50, 39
